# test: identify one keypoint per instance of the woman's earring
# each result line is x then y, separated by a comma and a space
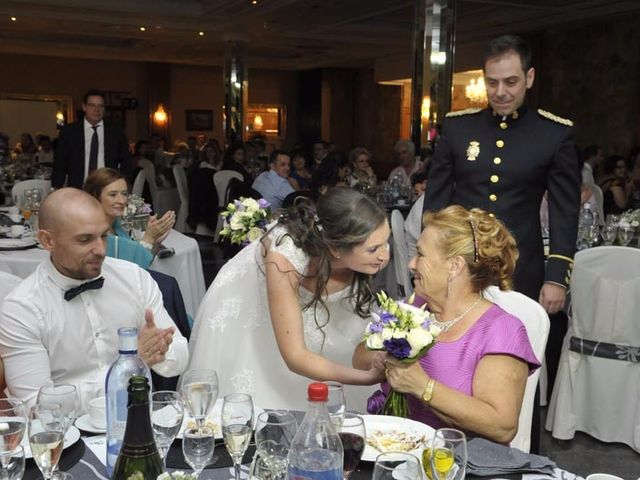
446, 294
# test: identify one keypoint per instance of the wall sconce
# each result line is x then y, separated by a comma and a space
424, 111
160, 116
257, 122
59, 119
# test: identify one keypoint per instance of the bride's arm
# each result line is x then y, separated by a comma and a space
286, 318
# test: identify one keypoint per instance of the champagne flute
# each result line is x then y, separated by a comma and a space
237, 426
336, 404
13, 415
13, 464
46, 437
353, 436
448, 455
167, 412
197, 447
274, 433
625, 234
396, 466
199, 390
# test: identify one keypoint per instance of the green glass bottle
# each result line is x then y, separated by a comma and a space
139, 458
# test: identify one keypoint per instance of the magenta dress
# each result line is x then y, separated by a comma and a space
454, 363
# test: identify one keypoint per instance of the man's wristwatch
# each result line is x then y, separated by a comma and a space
428, 391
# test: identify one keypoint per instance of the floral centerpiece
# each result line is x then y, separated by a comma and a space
136, 216
136, 206
404, 331
630, 218
245, 220
177, 475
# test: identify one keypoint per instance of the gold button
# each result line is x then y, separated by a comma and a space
499, 143
503, 125
492, 215
494, 178
493, 197
497, 160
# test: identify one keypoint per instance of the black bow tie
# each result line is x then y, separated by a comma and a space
75, 291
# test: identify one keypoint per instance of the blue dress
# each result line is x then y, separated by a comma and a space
119, 245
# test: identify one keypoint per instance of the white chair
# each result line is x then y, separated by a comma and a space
536, 321
400, 255
17, 191
138, 184
600, 395
183, 193
163, 198
221, 181
599, 207
8, 282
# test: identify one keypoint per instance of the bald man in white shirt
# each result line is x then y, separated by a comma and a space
60, 324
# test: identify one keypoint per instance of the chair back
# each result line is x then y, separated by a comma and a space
221, 181
17, 191
599, 206
150, 176
400, 255
138, 184
536, 321
8, 282
183, 194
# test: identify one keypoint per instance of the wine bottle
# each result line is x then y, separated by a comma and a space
126, 365
139, 457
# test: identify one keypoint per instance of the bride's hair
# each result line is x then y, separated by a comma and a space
342, 219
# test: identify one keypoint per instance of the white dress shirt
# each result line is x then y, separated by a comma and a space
45, 338
88, 134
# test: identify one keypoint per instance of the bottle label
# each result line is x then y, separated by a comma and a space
139, 451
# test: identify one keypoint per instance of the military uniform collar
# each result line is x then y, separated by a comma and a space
508, 119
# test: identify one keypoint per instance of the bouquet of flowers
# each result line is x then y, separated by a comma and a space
404, 331
630, 218
245, 220
136, 206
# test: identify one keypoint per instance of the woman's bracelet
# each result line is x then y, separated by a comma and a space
146, 245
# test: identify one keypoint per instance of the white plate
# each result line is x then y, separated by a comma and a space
17, 243
216, 417
84, 424
71, 437
388, 424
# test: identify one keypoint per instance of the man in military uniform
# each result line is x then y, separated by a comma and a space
502, 159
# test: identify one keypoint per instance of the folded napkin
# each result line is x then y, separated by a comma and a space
486, 458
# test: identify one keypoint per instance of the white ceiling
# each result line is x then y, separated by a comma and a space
281, 34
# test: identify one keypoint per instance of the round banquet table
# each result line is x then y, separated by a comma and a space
185, 266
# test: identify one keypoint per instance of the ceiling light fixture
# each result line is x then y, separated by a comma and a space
14, 19
142, 29
201, 34
254, 2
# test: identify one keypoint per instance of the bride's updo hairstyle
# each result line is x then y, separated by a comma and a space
483, 241
342, 219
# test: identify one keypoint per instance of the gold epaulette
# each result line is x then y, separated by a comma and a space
458, 113
560, 257
555, 118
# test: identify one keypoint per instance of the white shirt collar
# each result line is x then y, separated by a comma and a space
60, 280
87, 125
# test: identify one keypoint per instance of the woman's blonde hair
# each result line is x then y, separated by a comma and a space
483, 241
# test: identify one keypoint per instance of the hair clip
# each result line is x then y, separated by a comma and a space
476, 256
316, 221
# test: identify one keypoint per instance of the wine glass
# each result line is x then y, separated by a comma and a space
625, 234
336, 404
46, 436
12, 463
609, 233
199, 390
237, 426
167, 412
448, 454
197, 447
274, 433
396, 466
353, 436
13, 414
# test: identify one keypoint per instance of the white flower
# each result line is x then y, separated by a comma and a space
387, 333
235, 223
254, 234
375, 341
397, 333
251, 205
418, 338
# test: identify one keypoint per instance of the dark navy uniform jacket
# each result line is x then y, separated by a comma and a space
504, 165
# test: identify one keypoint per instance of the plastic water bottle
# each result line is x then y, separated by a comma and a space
587, 218
316, 450
126, 365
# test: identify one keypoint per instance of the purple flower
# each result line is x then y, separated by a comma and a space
262, 203
398, 347
386, 317
426, 324
375, 402
375, 327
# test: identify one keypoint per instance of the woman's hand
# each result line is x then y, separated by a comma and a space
406, 377
158, 228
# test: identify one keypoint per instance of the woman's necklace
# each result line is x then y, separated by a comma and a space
450, 323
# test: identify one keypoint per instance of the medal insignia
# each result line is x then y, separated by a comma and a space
473, 150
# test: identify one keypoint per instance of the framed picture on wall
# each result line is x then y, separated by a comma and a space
199, 120
116, 116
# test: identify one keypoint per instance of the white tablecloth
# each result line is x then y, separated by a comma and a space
185, 266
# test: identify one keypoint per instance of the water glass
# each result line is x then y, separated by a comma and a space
625, 234
167, 413
197, 447
609, 233
448, 454
13, 414
46, 436
336, 404
237, 426
353, 435
65, 395
274, 433
396, 466
12, 464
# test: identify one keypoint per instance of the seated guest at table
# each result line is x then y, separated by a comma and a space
361, 171
110, 188
44, 155
634, 173
60, 324
300, 174
617, 186
234, 159
311, 273
475, 375
273, 184
407, 164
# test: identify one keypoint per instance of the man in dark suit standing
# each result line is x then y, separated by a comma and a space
89, 144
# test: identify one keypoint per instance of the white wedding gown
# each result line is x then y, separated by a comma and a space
233, 333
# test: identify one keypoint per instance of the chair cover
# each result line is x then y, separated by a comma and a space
400, 255
162, 198
17, 191
536, 321
599, 196
221, 181
593, 394
183, 194
138, 184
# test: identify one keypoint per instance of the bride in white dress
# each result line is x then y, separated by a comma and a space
292, 307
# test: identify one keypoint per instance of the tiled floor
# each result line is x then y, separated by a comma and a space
583, 455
